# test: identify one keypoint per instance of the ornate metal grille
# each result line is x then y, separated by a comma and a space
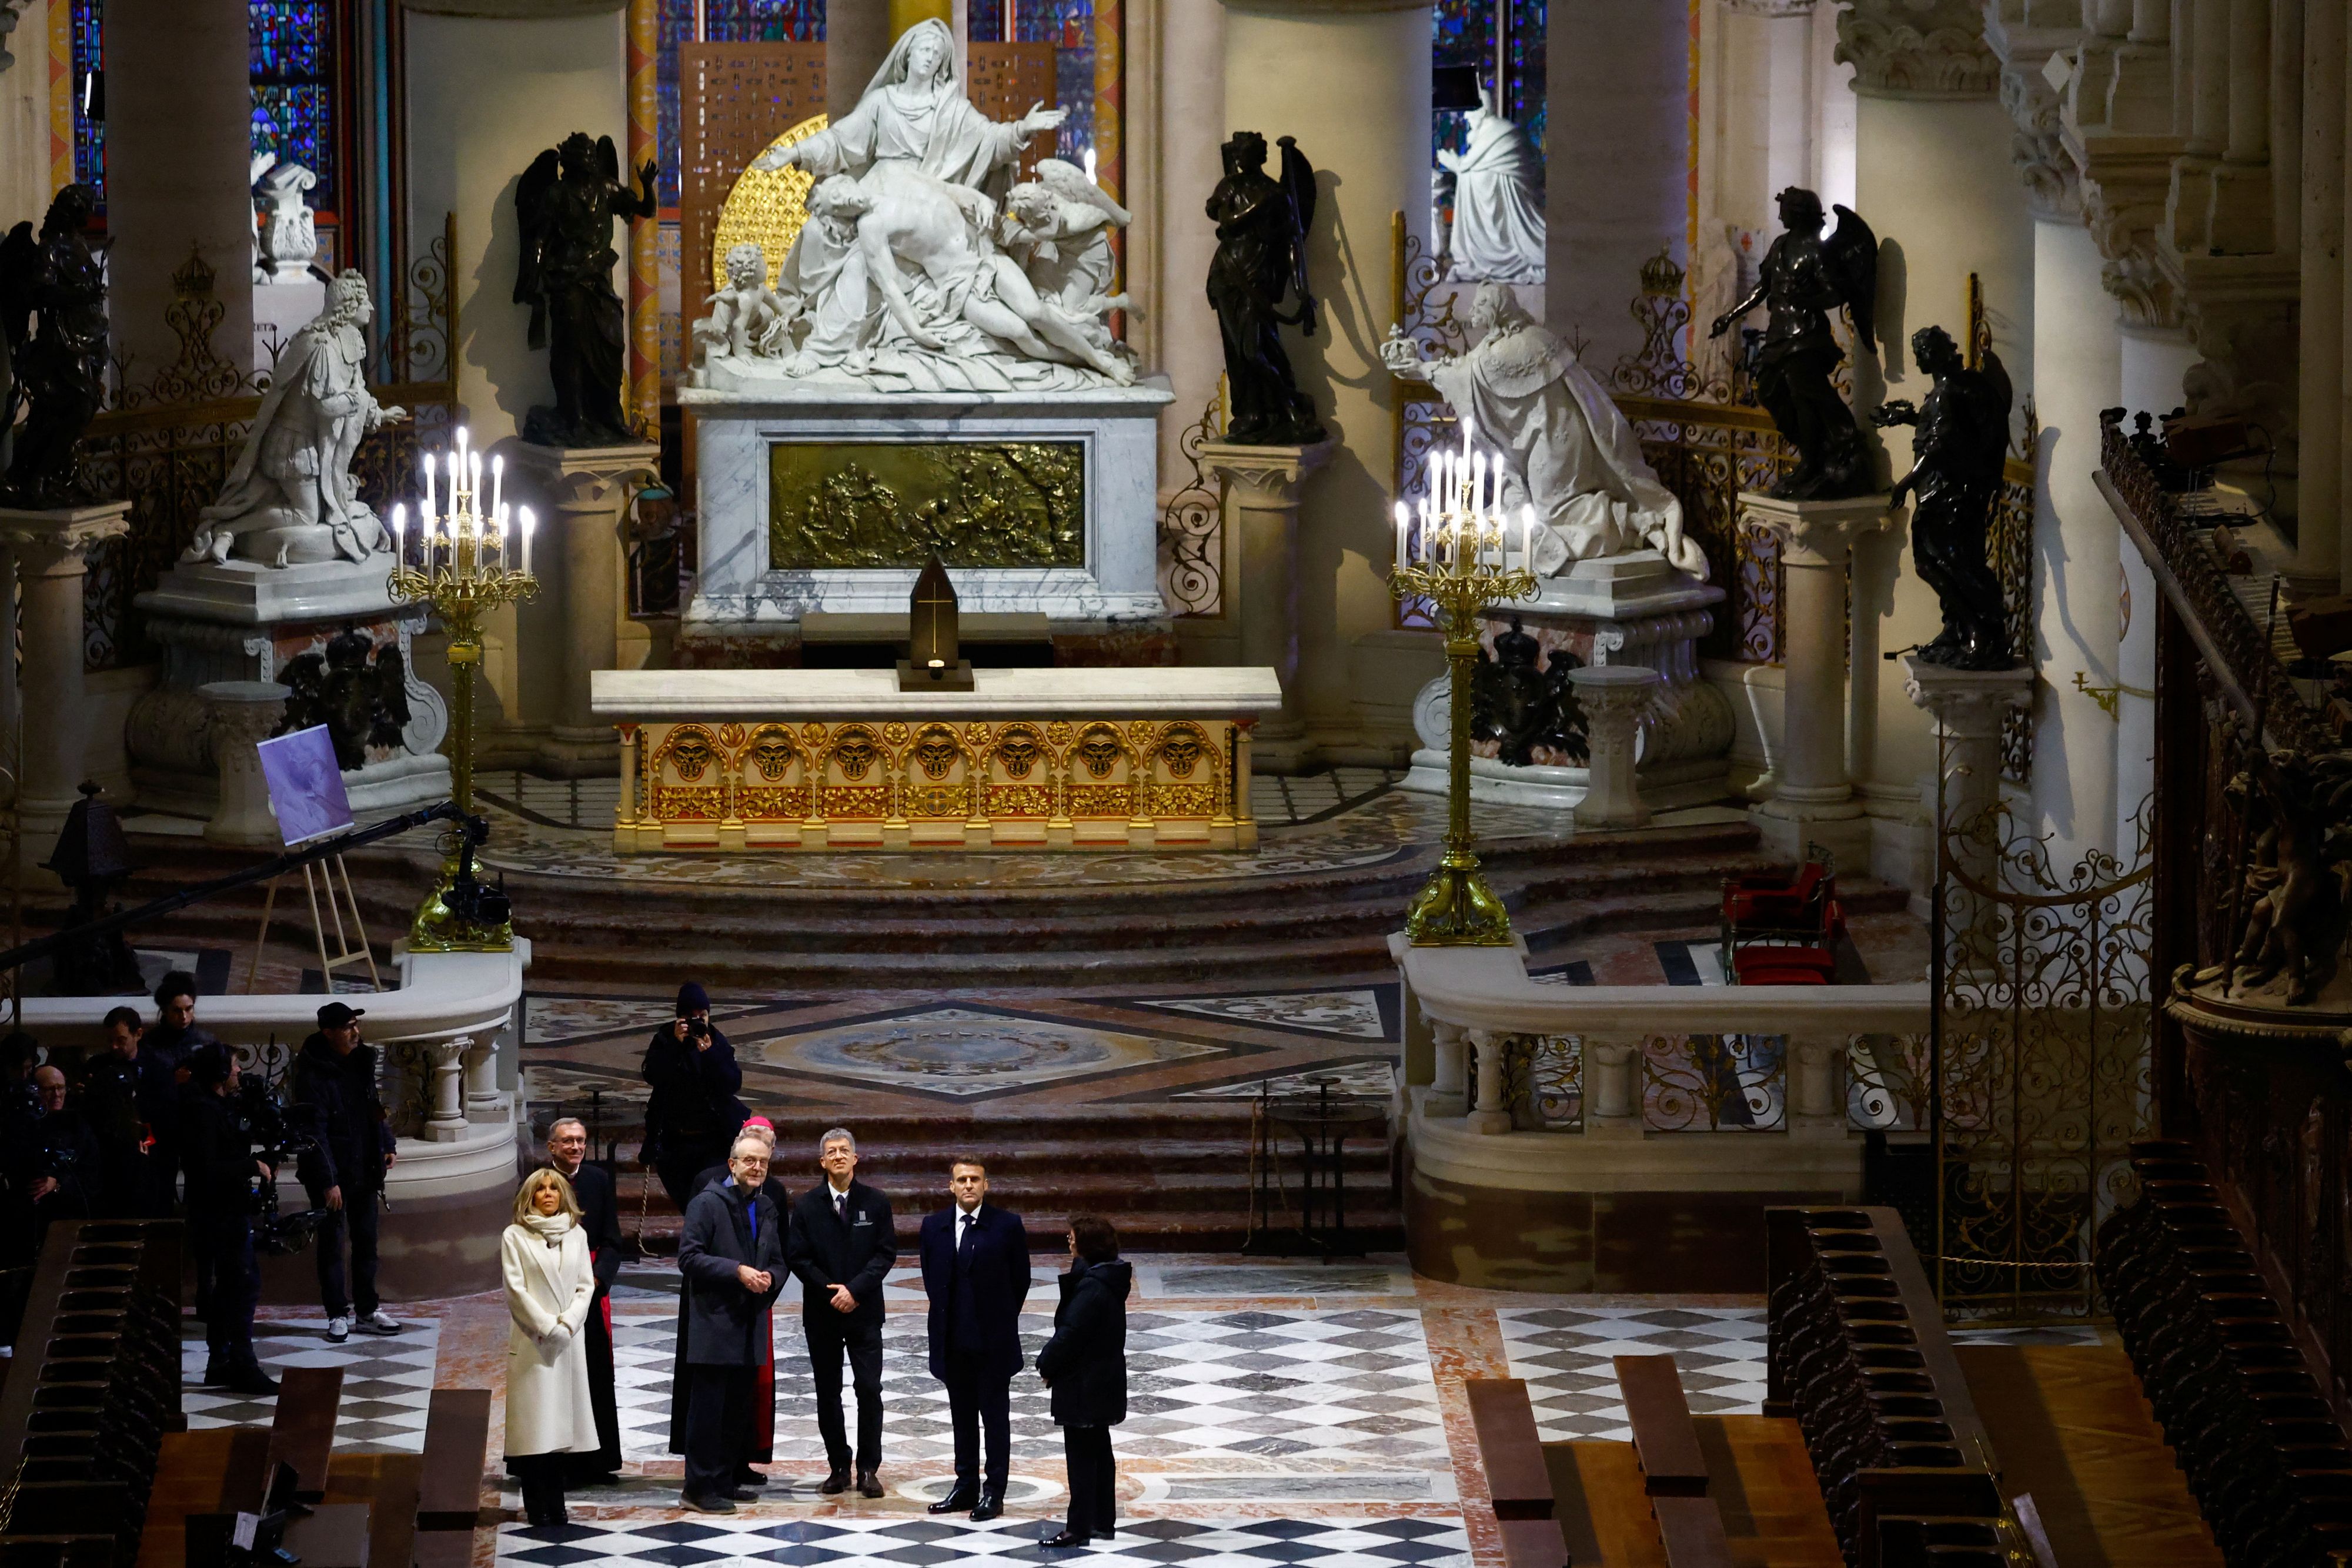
1193, 531
742, 95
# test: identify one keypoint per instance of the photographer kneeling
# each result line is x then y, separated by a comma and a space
219, 1155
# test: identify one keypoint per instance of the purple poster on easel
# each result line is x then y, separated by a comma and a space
306, 786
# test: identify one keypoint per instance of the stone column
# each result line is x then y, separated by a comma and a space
1615, 699
1263, 486
1350, 79
1813, 793
1613, 1088
52, 550
2318, 556
445, 1061
1490, 1114
858, 35
588, 489
1449, 1078
1171, 172
2075, 545
1969, 706
484, 1102
239, 717
1816, 1086
179, 150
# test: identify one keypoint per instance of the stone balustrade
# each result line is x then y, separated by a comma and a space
1540, 1121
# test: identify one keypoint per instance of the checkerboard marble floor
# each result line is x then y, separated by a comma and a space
388, 1379
1565, 1354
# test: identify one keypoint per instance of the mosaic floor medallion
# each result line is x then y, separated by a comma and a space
964, 1053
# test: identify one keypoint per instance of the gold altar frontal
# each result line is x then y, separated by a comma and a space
923, 773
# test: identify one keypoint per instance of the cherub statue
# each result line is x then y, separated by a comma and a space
53, 308
746, 317
1962, 442
567, 200
1058, 226
1803, 278
362, 704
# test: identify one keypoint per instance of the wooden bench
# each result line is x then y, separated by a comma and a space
456, 1443
1508, 1447
302, 1433
1663, 1438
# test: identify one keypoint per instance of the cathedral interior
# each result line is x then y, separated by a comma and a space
1140, 592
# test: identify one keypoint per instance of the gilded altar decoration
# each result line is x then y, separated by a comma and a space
1175, 784
972, 504
766, 208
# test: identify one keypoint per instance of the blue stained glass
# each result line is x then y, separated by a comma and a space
1069, 27
1462, 33
293, 43
89, 135
723, 21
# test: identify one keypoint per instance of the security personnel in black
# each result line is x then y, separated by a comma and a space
841, 1251
217, 1156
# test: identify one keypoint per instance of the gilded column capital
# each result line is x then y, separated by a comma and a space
1917, 48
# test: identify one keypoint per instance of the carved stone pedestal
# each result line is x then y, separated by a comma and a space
587, 490
1969, 707
1812, 795
1263, 486
239, 715
1616, 698
240, 620
1629, 610
52, 554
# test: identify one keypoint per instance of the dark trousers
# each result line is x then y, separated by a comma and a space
360, 1219
827, 1344
677, 1164
1094, 1479
717, 1428
542, 1476
978, 1400
226, 1243
586, 1470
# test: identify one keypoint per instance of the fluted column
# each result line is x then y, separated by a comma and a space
52, 554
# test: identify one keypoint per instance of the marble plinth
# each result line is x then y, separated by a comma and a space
830, 760
242, 620
1630, 609
739, 595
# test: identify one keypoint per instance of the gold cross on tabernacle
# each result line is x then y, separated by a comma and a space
934, 602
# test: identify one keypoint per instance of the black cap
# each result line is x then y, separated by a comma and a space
209, 1064
337, 1015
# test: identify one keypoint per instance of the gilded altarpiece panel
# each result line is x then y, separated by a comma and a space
892, 504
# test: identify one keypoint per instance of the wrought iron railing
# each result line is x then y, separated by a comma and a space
167, 445
1193, 531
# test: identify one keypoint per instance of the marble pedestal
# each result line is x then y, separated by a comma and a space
1968, 707
1812, 794
51, 549
1628, 609
587, 489
240, 620
745, 609
1263, 486
1615, 698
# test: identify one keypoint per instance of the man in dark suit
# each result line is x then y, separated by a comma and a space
976, 1272
842, 1251
600, 1218
731, 1265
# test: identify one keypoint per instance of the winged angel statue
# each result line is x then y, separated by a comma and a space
567, 200
1803, 278
906, 276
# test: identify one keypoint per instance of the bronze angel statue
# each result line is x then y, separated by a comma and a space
1958, 455
567, 200
363, 705
1261, 228
1803, 278
53, 308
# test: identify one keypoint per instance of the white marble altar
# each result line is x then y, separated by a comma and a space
1629, 610
1238, 691
739, 594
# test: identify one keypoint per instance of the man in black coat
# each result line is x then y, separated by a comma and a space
126, 1091
52, 1164
842, 1251
1084, 1365
600, 1220
976, 1274
731, 1265
693, 1112
334, 1079
217, 1155
760, 1447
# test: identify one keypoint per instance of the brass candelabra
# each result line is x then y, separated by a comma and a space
466, 567
1454, 554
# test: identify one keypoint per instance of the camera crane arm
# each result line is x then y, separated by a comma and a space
473, 828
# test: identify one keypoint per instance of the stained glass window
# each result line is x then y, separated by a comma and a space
1503, 41
90, 133
294, 89
1069, 27
726, 22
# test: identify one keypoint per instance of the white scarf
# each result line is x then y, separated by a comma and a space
551, 1227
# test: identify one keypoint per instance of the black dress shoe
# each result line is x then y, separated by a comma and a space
737, 1494
747, 1477
1063, 1541
836, 1483
252, 1382
868, 1484
955, 1501
991, 1503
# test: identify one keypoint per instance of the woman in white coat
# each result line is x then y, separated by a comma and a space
550, 1285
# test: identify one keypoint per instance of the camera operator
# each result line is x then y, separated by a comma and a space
334, 1077
218, 1153
174, 1040
52, 1165
125, 1092
692, 1115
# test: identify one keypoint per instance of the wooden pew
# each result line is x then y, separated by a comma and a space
302, 1433
1508, 1446
456, 1443
1663, 1438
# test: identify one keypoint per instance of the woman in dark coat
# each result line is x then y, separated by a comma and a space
1085, 1366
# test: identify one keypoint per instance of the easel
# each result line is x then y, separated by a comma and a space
345, 954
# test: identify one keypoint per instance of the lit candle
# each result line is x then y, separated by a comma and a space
1527, 538
526, 542
399, 534
1404, 526
497, 483
426, 521
1477, 481
474, 489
